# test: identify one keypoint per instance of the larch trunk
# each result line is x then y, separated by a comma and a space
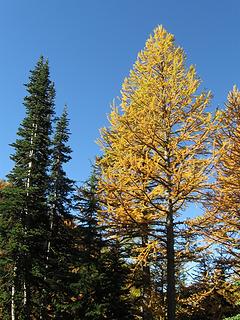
171, 289
147, 312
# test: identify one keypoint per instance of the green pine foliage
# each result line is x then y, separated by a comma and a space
54, 264
23, 210
61, 251
89, 301
13, 250
116, 289
102, 270
237, 317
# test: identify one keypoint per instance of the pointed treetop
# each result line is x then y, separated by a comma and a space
65, 112
234, 95
63, 121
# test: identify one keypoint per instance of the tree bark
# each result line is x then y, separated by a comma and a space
147, 312
171, 290
26, 306
13, 291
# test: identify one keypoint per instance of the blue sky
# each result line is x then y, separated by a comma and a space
91, 46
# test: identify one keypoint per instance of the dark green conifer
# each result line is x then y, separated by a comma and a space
23, 210
88, 304
61, 249
102, 269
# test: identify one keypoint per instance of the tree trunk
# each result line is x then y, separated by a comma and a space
43, 309
13, 291
171, 290
26, 306
147, 312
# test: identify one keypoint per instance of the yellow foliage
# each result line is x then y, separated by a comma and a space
3, 184
155, 151
223, 214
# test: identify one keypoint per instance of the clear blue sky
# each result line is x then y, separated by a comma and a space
91, 46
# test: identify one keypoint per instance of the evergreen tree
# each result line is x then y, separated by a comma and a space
116, 289
23, 210
102, 269
61, 250
89, 303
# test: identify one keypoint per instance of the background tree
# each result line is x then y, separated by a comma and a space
61, 253
102, 270
156, 151
220, 224
212, 294
3, 184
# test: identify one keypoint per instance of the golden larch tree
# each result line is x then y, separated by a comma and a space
220, 224
156, 151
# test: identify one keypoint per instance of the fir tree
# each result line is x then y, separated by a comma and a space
23, 210
89, 301
116, 289
60, 253
102, 269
